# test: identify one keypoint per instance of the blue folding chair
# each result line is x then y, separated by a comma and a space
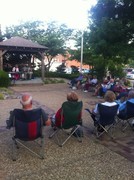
28, 126
106, 119
128, 116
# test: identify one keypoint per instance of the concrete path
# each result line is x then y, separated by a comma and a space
89, 160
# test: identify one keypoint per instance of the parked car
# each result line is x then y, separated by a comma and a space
130, 75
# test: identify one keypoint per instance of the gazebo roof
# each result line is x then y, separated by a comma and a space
21, 44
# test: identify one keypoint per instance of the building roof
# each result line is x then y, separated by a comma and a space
21, 44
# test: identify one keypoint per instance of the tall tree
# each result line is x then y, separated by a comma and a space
112, 30
109, 38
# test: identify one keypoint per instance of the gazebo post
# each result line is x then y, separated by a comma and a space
1, 60
42, 66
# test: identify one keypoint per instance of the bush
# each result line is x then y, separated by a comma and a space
37, 73
1, 96
4, 79
53, 81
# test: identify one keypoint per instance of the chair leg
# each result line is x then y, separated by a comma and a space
14, 146
42, 148
70, 134
55, 132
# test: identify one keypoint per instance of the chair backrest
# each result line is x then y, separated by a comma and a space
72, 112
129, 109
28, 124
107, 114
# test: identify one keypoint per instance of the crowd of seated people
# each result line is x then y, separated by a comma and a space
84, 81
110, 100
118, 86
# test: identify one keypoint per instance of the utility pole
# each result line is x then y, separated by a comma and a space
81, 61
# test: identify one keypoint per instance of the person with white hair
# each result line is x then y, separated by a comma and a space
26, 102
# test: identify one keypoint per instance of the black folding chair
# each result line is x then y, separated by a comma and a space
27, 127
128, 116
106, 119
72, 122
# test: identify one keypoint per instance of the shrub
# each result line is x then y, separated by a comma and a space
1, 96
4, 79
53, 81
37, 73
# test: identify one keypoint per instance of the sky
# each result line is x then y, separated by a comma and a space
73, 13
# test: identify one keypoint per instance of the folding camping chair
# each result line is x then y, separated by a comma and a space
106, 119
128, 116
27, 127
71, 111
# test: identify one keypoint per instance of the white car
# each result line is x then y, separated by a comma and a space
130, 75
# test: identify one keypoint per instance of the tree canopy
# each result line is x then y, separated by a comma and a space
109, 38
50, 34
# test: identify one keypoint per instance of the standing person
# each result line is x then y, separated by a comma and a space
26, 102
15, 68
16, 71
24, 71
29, 72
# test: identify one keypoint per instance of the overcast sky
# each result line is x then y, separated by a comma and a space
71, 12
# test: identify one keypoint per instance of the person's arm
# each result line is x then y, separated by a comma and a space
46, 120
10, 121
95, 110
122, 106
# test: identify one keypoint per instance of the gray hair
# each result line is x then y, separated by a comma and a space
27, 101
131, 94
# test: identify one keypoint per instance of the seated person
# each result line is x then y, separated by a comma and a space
26, 102
76, 80
91, 83
109, 101
120, 86
102, 89
56, 119
82, 82
122, 107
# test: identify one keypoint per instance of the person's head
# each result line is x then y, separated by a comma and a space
26, 101
110, 96
111, 80
131, 94
72, 96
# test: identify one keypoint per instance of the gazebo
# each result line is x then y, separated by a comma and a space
21, 45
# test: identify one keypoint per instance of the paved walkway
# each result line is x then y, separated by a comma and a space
90, 160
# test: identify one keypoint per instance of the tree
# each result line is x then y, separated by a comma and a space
109, 36
51, 35
112, 31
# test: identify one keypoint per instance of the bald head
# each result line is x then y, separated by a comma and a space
26, 100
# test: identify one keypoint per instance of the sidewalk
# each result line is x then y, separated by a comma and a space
89, 160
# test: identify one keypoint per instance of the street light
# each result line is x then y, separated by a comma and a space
81, 60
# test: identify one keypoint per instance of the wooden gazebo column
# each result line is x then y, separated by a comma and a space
42, 66
1, 59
